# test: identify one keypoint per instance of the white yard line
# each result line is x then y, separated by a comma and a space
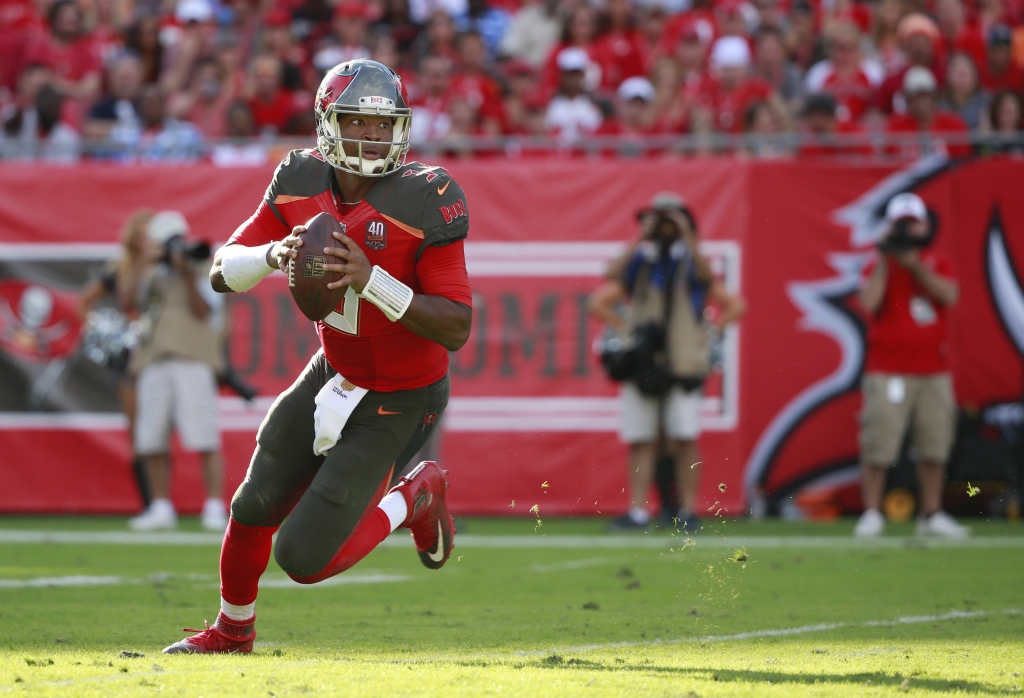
629, 541
782, 632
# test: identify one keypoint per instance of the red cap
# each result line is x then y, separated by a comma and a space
277, 18
535, 100
351, 8
518, 66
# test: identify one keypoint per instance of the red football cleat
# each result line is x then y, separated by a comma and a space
225, 637
433, 530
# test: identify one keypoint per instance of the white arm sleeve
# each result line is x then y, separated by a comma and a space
243, 267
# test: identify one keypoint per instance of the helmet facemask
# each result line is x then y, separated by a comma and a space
331, 143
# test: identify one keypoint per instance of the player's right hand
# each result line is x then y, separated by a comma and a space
284, 251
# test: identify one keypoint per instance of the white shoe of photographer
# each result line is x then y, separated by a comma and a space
160, 515
942, 525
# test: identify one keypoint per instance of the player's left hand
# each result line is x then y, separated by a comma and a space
355, 266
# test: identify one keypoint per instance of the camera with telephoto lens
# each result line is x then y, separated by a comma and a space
196, 250
900, 239
661, 216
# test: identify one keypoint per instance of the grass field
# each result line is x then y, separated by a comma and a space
560, 610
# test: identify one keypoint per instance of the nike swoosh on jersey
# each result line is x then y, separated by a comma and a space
439, 555
442, 190
381, 410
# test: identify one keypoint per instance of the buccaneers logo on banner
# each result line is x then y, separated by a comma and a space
810, 442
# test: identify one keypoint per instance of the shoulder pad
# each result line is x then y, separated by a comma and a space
426, 200
302, 173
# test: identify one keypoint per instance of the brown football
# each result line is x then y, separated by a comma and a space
307, 278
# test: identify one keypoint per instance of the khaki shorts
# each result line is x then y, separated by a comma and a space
640, 413
892, 403
180, 394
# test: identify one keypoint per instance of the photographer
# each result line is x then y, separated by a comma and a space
665, 283
176, 367
117, 289
906, 292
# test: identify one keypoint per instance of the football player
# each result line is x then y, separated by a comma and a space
331, 444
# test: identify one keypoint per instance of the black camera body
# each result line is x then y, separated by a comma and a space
900, 239
196, 250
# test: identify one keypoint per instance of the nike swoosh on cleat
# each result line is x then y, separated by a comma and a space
381, 410
439, 555
442, 190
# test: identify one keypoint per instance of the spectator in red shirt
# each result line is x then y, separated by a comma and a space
671, 104
906, 292
918, 37
474, 83
521, 81
70, 53
956, 34
826, 136
931, 126
728, 91
347, 39
277, 40
272, 106
845, 75
886, 44
434, 82
620, 50
691, 53
1000, 71
205, 103
633, 113
579, 32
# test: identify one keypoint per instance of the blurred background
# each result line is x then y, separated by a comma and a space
786, 125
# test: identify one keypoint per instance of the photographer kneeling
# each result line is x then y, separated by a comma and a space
664, 352
906, 291
177, 365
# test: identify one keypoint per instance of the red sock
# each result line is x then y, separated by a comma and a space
243, 559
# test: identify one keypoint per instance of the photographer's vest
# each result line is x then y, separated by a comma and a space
686, 336
175, 332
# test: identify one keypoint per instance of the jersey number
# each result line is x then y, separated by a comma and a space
347, 320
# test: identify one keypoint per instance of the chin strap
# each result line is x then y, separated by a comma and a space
387, 293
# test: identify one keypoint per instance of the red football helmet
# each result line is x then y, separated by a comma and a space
362, 86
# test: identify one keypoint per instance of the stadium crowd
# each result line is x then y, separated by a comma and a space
165, 80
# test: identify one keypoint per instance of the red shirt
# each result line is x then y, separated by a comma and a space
944, 123
853, 93
275, 114
730, 106
383, 356
909, 333
1010, 79
621, 55
72, 61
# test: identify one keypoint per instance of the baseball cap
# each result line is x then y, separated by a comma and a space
573, 58
518, 66
1000, 35
194, 11
165, 225
917, 23
919, 80
636, 88
277, 18
664, 200
730, 51
905, 205
350, 8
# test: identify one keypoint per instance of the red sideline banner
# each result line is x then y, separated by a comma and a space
529, 401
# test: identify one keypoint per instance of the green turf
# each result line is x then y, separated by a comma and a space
530, 621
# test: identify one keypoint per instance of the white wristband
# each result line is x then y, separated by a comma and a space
243, 267
387, 293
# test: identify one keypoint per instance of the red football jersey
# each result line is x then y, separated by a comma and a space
412, 224
909, 333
